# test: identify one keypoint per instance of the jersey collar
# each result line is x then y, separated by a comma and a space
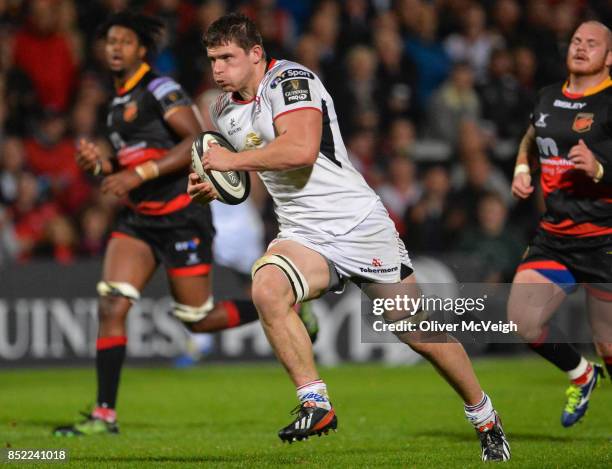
134, 79
589, 91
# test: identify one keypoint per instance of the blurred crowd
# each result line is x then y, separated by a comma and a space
432, 97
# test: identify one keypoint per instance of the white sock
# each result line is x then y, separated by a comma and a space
315, 391
481, 415
580, 370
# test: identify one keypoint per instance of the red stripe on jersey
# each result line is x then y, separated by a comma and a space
191, 271
163, 208
104, 343
571, 228
570, 95
535, 265
131, 157
298, 109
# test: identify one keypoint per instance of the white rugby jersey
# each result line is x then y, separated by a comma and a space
331, 196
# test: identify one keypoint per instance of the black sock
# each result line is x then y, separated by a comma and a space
561, 354
109, 360
239, 312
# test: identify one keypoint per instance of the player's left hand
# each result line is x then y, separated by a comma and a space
200, 192
583, 159
121, 183
218, 158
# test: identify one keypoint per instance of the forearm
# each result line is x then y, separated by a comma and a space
527, 152
283, 153
178, 157
527, 147
175, 160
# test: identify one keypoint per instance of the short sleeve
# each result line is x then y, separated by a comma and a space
293, 89
168, 94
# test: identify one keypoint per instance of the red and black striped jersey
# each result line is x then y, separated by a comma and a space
138, 132
575, 204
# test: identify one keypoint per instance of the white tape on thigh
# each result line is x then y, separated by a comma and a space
118, 289
298, 282
193, 313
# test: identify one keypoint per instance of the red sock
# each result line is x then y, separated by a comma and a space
239, 312
104, 413
584, 377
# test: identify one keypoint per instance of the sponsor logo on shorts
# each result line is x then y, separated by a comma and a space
187, 245
382, 270
376, 262
193, 259
291, 73
295, 91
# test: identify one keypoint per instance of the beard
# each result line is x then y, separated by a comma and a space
592, 67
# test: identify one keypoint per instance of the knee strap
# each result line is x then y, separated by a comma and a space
296, 278
193, 313
123, 289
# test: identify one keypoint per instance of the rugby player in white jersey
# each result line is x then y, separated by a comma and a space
333, 227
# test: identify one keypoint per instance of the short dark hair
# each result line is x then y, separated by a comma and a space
234, 27
147, 28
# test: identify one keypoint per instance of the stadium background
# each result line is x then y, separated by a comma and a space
432, 97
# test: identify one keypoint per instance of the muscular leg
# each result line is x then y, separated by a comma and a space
127, 260
274, 299
533, 300
452, 362
128, 265
274, 296
130, 261
446, 354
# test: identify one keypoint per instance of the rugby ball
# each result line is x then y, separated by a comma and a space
232, 186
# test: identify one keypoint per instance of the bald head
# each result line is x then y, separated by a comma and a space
590, 51
606, 31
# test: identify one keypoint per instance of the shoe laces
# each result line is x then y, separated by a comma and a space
301, 408
574, 394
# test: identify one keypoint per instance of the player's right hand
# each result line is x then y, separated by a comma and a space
521, 186
200, 192
87, 155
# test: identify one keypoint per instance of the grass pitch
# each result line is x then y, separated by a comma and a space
228, 416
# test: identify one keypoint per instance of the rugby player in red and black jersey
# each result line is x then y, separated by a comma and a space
571, 136
151, 124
